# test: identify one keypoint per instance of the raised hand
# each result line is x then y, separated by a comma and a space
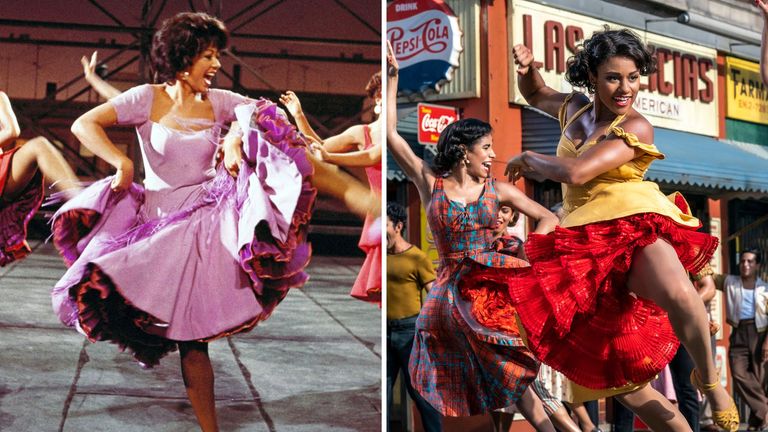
523, 58
392, 66
763, 6
291, 102
516, 167
89, 66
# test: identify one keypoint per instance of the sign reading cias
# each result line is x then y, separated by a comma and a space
426, 40
432, 120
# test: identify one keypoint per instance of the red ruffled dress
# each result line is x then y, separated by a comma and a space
468, 357
574, 304
15, 216
367, 286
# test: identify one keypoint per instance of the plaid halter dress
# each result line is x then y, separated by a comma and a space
468, 357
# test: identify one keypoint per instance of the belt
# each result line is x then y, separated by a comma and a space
403, 322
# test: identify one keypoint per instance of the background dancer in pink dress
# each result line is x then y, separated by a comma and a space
357, 146
23, 171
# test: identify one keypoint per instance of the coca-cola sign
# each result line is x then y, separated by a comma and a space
432, 120
426, 40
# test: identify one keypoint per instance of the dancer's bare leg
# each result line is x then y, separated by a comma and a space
655, 410
532, 409
657, 274
330, 180
39, 153
197, 372
563, 422
582, 416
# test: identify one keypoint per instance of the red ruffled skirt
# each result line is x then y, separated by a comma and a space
15, 216
574, 305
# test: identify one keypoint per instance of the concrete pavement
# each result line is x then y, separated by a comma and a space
315, 365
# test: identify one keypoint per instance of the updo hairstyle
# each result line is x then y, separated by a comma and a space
600, 47
181, 39
464, 132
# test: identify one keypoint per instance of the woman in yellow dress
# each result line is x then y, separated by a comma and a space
607, 295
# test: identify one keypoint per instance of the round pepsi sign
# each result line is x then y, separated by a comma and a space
426, 40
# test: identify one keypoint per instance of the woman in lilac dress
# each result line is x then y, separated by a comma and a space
196, 253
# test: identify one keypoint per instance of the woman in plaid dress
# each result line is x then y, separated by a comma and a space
465, 361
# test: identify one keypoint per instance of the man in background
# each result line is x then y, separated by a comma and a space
409, 273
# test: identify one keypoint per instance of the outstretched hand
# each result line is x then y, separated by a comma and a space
291, 102
392, 66
763, 6
317, 149
515, 168
523, 58
89, 66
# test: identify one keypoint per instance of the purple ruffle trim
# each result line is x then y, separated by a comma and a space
274, 266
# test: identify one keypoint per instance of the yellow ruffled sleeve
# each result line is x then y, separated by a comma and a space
632, 141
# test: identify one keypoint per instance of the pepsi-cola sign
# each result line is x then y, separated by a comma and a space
432, 120
426, 40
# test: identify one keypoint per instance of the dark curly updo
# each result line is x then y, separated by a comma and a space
181, 39
602, 46
373, 88
396, 213
464, 132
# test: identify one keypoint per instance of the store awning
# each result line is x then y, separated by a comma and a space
692, 160
703, 161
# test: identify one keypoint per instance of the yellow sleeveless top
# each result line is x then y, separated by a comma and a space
619, 192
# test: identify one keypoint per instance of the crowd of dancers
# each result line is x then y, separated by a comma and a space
229, 186
606, 293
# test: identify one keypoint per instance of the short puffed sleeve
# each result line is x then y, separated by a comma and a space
224, 103
134, 106
632, 141
562, 115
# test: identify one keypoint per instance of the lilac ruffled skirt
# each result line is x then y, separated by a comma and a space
216, 267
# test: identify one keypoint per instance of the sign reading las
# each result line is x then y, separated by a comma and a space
681, 95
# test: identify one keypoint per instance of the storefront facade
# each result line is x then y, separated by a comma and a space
685, 100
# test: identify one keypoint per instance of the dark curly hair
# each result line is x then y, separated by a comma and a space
755, 251
373, 87
181, 39
396, 213
461, 132
602, 46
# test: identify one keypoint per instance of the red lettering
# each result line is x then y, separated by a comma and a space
652, 78
707, 94
573, 35
678, 71
554, 46
662, 56
690, 73
527, 32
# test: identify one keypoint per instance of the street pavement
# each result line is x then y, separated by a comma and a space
315, 365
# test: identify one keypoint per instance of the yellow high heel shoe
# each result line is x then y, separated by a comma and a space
727, 419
